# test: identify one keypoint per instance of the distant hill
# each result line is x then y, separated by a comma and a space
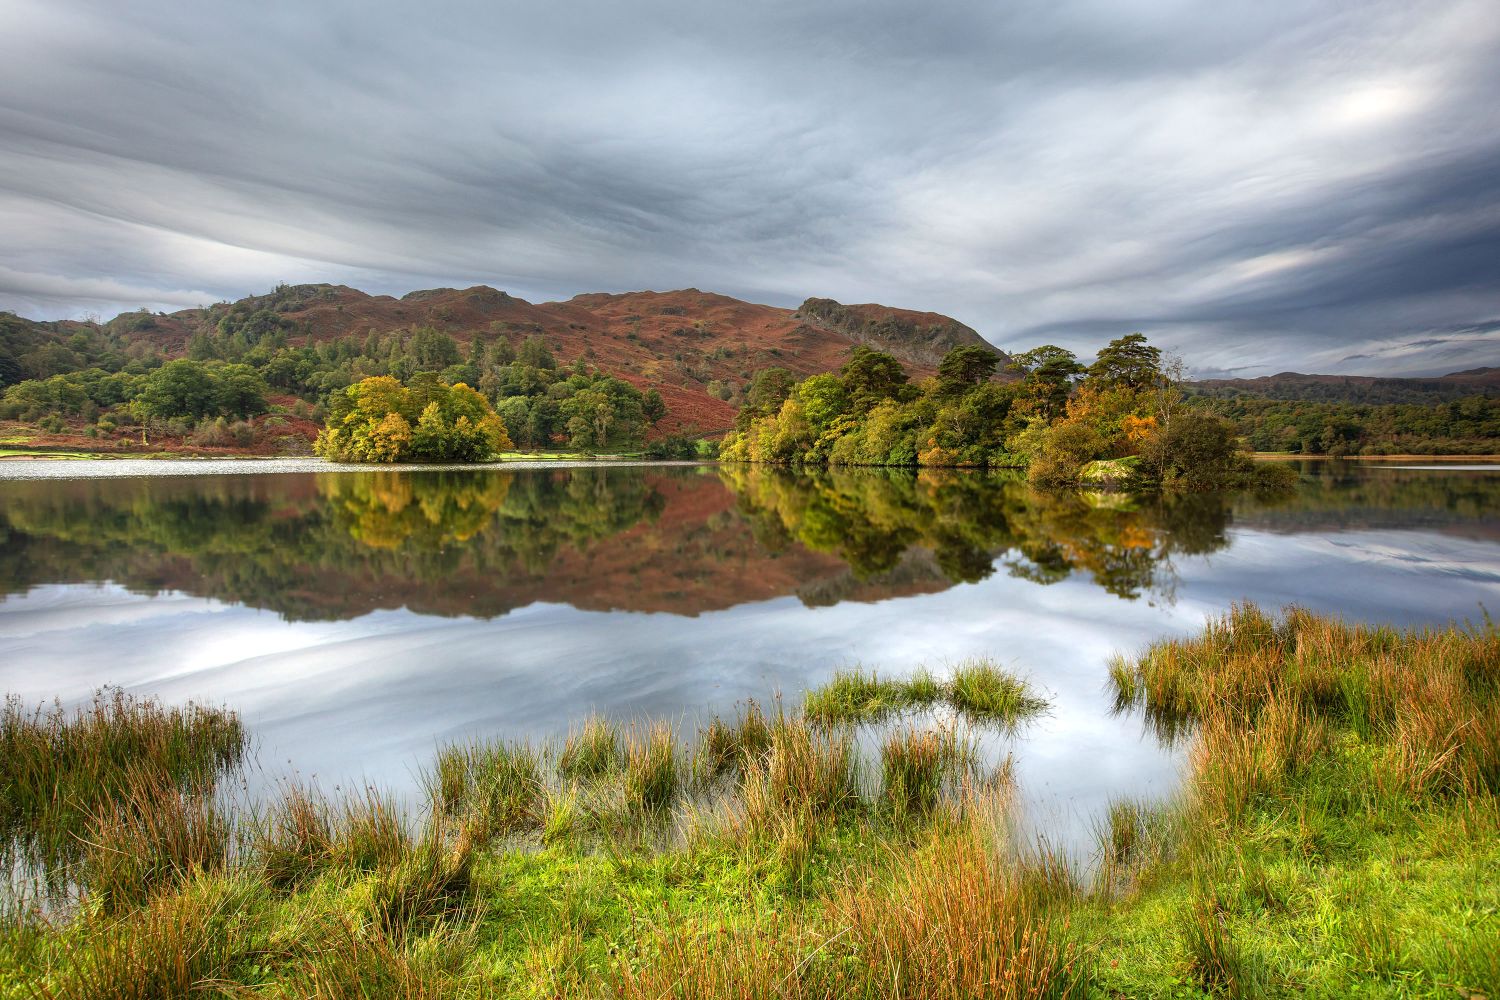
698, 349
1363, 389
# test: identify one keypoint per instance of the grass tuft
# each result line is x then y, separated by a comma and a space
651, 768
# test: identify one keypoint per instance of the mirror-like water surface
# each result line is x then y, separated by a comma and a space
358, 619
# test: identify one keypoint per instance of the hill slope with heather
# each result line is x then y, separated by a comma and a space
699, 350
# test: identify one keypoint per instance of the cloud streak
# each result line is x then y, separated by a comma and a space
1256, 187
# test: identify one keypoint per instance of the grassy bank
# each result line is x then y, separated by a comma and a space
1336, 836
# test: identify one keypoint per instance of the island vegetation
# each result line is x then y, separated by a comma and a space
1121, 422
1334, 837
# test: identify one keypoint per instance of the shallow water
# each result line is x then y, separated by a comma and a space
358, 619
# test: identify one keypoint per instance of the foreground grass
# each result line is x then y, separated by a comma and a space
1336, 837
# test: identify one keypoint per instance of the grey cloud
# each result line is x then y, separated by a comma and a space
1257, 186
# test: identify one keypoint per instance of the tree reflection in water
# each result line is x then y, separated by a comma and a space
677, 540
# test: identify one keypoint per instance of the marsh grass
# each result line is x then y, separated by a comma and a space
1335, 836
1322, 754
293, 838
176, 948
497, 788
917, 765
370, 831
153, 839
592, 752
433, 879
62, 770
948, 923
983, 691
723, 747
651, 768
978, 688
347, 962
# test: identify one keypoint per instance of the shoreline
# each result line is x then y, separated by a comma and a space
1271, 456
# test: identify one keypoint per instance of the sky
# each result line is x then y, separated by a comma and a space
1256, 186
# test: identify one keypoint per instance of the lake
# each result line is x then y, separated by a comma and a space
358, 619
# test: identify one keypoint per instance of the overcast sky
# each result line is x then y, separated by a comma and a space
1257, 186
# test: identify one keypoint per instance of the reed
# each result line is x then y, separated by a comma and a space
294, 839
982, 690
854, 696
651, 768
496, 787
154, 839
432, 880
370, 831
347, 962
177, 948
60, 769
592, 752
916, 765
803, 769
722, 748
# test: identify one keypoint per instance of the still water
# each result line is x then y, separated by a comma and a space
358, 619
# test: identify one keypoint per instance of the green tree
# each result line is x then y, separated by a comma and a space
966, 366
1127, 362
180, 388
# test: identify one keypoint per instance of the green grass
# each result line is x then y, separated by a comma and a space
1335, 837
978, 688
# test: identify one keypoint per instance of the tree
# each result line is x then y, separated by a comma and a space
179, 388
870, 376
1127, 362
380, 420
1047, 378
241, 391
653, 407
966, 366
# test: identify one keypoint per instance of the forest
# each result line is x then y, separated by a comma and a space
246, 370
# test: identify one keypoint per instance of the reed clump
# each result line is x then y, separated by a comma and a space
432, 880
592, 752
724, 747
344, 961
294, 838
496, 788
803, 769
651, 770
154, 839
978, 688
982, 690
61, 769
916, 765
179, 947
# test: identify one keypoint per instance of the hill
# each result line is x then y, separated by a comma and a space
698, 349
1362, 389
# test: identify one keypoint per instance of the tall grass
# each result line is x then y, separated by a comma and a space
982, 690
346, 962
152, 840
916, 765
592, 752
951, 924
178, 947
61, 769
496, 787
978, 688
651, 778
722, 747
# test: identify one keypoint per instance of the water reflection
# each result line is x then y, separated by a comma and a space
333, 546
